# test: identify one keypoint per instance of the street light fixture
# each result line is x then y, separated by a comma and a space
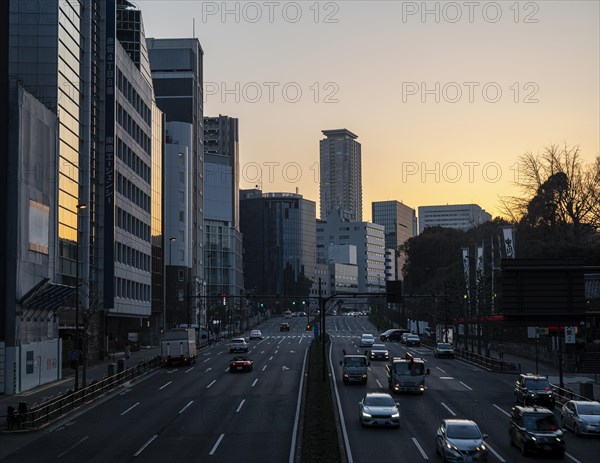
77, 335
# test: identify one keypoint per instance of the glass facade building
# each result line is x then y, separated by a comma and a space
279, 243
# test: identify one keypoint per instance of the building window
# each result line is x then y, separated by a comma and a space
180, 275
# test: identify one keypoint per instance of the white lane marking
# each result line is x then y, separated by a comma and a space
339, 406
378, 383
262, 351
240, 405
506, 413
425, 457
572, 457
205, 360
227, 370
470, 389
130, 408
281, 340
447, 408
72, 447
443, 371
271, 357
216, 444
502, 460
211, 383
301, 338
188, 404
369, 368
145, 445
164, 385
277, 350
446, 377
254, 383
208, 369
297, 417
264, 368
206, 353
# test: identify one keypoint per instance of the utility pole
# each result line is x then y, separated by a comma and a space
322, 312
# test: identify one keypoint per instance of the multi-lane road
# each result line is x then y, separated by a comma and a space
205, 413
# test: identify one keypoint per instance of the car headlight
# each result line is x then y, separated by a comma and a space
530, 437
481, 448
364, 375
365, 415
345, 375
453, 449
396, 415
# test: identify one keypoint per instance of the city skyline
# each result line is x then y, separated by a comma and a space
372, 83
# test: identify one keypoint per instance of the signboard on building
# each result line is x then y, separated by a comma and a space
569, 335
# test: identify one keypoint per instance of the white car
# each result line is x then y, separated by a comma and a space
256, 334
378, 409
367, 340
583, 417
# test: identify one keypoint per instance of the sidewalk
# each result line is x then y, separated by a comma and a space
572, 381
51, 390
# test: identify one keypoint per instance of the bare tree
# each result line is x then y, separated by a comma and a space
557, 177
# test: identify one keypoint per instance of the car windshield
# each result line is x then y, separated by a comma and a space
238, 341
355, 362
444, 346
537, 384
588, 409
367, 337
379, 401
463, 431
378, 347
408, 368
540, 423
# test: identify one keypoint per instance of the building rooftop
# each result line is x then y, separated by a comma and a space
339, 133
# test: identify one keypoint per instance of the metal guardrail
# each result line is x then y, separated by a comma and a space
44, 413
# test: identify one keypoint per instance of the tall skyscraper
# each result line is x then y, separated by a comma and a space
400, 222
86, 62
177, 73
340, 174
223, 240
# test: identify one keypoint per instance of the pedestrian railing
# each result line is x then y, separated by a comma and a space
41, 414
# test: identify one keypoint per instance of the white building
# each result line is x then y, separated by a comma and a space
459, 216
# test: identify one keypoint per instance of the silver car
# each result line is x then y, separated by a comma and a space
378, 409
367, 340
460, 440
379, 351
582, 416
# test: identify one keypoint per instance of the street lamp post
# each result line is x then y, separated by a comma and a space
170, 279
77, 335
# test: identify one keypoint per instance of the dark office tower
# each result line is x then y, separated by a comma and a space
341, 175
279, 241
223, 240
176, 67
400, 224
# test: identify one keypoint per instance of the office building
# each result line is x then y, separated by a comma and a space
278, 232
400, 223
340, 185
458, 216
223, 239
177, 73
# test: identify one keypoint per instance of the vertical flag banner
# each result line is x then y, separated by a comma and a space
465, 256
509, 242
478, 274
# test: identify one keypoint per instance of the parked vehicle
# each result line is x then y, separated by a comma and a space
378, 409
178, 346
581, 416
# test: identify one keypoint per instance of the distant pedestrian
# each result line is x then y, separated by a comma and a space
127, 351
500, 352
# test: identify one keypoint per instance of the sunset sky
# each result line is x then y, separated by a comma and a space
377, 68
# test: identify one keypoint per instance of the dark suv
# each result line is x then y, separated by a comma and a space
531, 389
535, 429
392, 335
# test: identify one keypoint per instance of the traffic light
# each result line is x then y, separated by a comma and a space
224, 299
